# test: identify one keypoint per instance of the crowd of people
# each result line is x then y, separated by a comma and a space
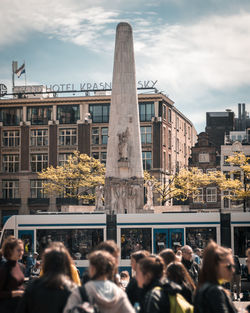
157, 282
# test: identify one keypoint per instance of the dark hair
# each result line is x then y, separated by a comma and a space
177, 272
124, 274
56, 266
109, 246
8, 246
168, 256
104, 264
154, 265
138, 255
213, 255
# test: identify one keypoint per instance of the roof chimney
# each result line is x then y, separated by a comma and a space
239, 111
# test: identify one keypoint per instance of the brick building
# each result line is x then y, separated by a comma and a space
205, 156
39, 132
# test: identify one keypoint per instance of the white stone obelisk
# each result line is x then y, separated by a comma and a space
124, 170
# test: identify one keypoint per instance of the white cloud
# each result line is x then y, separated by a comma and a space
65, 19
193, 59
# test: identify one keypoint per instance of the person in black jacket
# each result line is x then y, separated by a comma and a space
217, 268
191, 266
132, 289
177, 273
11, 276
49, 293
149, 276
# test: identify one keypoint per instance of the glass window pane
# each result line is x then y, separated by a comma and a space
79, 242
134, 239
199, 237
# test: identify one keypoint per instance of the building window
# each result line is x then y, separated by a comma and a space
203, 157
39, 162
225, 163
164, 136
164, 112
169, 139
95, 136
11, 138
146, 134
177, 145
39, 137
103, 157
212, 194
39, 115
164, 161
99, 113
11, 116
10, 163
10, 189
147, 111
147, 160
177, 123
169, 163
67, 137
36, 189
104, 135
68, 114
169, 116
199, 197
63, 158
95, 155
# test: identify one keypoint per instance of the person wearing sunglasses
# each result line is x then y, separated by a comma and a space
217, 268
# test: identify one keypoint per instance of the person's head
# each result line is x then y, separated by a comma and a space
149, 269
111, 247
137, 256
197, 251
178, 255
35, 255
102, 265
11, 249
187, 253
124, 275
177, 272
56, 266
218, 264
168, 256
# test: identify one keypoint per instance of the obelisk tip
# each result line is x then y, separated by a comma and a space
124, 26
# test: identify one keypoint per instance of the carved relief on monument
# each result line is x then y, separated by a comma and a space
123, 145
99, 197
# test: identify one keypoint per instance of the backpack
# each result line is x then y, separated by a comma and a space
85, 306
177, 303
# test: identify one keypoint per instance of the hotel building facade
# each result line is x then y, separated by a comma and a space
39, 132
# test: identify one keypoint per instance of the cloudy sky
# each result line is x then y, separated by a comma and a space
198, 51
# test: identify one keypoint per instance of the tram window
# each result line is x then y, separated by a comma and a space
134, 239
79, 242
27, 242
199, 237
241, 240
7, 233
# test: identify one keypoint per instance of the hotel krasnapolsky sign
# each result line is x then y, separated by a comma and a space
69, 87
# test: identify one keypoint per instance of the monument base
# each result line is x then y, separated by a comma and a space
124, 195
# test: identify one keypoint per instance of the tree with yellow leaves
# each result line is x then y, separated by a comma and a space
77, 178
238, 189
183, 185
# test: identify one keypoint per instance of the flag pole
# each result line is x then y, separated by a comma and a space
25, 74
13, 75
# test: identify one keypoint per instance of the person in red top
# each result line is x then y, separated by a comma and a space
11, 276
